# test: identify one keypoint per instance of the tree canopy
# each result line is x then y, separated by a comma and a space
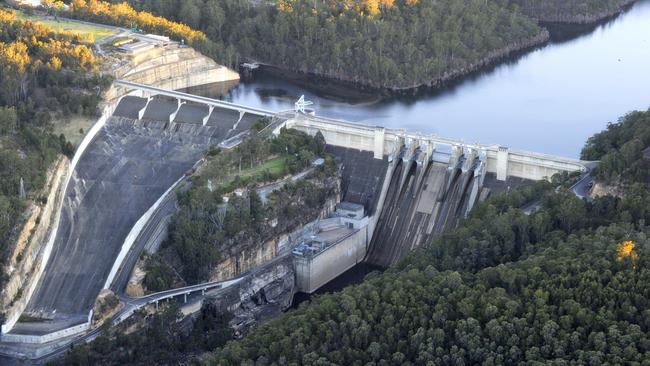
622, 149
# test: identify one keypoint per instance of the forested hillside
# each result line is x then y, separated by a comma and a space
43, 75
574, 11
393, 44
622, 150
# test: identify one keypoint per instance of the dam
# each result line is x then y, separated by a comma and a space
399, 188
142, 148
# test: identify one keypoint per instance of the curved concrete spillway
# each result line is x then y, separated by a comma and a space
126, 168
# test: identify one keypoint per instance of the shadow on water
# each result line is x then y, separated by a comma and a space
352, 276
563, 33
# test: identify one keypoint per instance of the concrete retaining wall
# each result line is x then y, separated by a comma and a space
49, 337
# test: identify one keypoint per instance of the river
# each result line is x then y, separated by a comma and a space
549, 100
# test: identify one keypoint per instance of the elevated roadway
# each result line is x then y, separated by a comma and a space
152, 91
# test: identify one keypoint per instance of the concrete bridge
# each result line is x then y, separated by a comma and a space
133, 304
182, 98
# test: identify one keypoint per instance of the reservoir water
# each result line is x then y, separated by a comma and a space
549, 100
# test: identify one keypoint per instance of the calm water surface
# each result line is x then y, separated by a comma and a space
550, 100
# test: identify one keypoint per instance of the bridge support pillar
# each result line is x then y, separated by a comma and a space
178, 108
203, 292
141, 111
156, 305
502, 163
379, 142
185, 298
207, 117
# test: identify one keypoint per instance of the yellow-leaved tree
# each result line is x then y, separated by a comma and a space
626, 250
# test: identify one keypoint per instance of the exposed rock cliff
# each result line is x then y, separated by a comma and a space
259, 297
171, 67
244, 257
25, 261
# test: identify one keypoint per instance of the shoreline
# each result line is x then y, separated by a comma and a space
345, 89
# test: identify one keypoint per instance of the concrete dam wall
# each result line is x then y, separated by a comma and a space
431, 182
390, 206
126, 168
424, 198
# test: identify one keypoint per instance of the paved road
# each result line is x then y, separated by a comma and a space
266, 190
150, 235
581, 188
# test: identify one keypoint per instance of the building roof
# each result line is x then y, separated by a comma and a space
350, 206
136, 46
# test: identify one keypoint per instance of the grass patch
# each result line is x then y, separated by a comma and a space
74, 129
95, 32
273, 166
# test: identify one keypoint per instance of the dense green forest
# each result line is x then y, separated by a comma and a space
355, 40
568, 283
622, 150
44, 75
207, 230
575, 11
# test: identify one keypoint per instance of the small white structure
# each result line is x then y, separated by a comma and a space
137, 47
301, 104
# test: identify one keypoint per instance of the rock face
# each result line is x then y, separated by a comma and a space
601, 189
260, 297
246, 260
172, 67
248, 256
25, 261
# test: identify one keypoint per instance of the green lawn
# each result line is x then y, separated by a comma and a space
96, 32
274, 166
